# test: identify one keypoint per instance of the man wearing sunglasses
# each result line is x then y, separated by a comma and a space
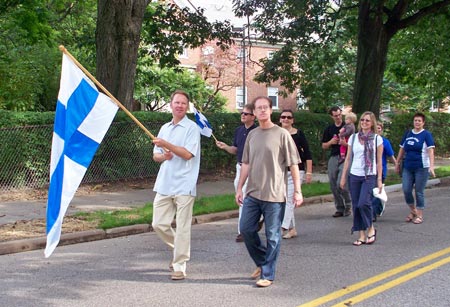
330, 140
240, 135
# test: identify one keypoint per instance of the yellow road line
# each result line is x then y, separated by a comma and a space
337, 294
391, 284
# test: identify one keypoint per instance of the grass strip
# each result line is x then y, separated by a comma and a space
210, 204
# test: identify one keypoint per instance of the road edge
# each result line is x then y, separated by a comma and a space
18, 246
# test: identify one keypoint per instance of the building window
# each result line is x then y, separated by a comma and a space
184, 54
208, 50
241, 53
240, 99
385, 108
434, 106
272, 93
301, 101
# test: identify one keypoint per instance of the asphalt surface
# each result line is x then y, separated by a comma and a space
408, 265
36, 209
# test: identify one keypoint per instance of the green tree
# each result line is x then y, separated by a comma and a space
419, 65
166, 30
154, 86
25, 55
30, 32
306, 27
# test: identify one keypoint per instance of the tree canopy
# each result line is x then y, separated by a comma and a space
336, 52
30, 32
108, 46
324, 42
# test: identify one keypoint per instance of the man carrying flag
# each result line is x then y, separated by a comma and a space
83, 116
178, 150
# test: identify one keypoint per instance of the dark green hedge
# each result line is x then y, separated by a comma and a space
130, 148
437, 123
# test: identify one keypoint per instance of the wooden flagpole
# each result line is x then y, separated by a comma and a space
117, 102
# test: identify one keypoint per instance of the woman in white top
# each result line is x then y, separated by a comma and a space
363, 159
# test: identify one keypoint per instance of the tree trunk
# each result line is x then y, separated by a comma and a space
373, 41
119, 24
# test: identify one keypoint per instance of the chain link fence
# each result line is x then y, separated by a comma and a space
125, 153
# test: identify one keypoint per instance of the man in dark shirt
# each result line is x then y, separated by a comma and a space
330, 140
240, 135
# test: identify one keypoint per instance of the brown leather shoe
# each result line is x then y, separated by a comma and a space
263, 283
178, 275
256, 273
291, 233
338, 214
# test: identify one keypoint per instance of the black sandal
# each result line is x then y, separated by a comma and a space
369, 238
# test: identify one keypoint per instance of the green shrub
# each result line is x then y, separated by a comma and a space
126, 151
437, 123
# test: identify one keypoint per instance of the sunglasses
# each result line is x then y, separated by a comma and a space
286, 117
245, 113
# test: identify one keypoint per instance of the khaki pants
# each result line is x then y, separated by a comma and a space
164, 209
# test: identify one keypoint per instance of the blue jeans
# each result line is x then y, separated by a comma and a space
361, 190
416, 178
264, 256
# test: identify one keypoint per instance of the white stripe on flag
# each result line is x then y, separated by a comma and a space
96, 122
203, 124
83, 116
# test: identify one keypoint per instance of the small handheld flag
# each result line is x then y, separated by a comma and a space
83, 116
202, 122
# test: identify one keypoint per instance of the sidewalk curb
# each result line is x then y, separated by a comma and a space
17, 246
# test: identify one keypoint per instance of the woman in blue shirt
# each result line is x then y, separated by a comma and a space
417, 147
388, 153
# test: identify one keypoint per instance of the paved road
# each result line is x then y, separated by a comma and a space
133, 270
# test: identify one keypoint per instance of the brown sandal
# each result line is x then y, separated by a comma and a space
411, 217
418, 220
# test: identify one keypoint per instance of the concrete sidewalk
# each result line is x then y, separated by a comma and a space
13, 211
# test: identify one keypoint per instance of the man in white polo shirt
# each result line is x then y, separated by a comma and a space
177, 148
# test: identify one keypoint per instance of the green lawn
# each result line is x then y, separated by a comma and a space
210, 204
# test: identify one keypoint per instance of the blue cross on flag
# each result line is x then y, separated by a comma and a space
203, 124
83, 116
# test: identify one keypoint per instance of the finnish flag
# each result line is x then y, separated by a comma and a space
83, 116
202, 122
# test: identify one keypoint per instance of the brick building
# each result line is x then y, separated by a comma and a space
231, 73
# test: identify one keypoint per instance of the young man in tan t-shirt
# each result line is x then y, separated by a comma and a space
268, 151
